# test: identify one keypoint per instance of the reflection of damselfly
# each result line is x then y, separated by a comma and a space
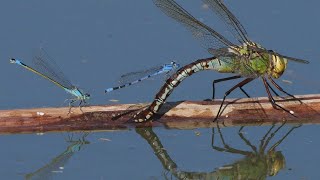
57, 163
138, 76
47, 68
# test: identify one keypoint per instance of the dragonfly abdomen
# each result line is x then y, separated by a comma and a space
175, 80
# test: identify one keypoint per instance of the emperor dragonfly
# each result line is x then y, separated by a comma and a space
248, 60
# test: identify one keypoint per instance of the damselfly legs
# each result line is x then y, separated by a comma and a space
45, 66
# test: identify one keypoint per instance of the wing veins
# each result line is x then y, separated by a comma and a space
234, 25
45, 65
198, 29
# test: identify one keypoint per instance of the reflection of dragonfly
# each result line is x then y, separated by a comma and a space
249, 60
138, 76
47, 68
258, 163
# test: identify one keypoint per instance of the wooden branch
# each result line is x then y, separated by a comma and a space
181, 115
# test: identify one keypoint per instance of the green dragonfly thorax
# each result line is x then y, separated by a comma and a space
275, 66
250, 62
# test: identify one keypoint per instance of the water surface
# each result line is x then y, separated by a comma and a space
162, 153
95, 42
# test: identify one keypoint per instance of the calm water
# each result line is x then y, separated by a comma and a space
162, 153
94, 42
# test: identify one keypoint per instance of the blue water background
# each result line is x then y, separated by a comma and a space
95, 42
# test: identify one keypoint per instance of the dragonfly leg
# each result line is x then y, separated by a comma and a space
274, 92
81, 101
221, 80
244, 92
86, 104
247, 142
280, 89
240, 84
262, 141
272, 101
70, 105
240, 129
263, 148
226, 147
280, 141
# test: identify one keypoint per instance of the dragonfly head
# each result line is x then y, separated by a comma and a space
15, 61
175, 65
87, 96
12, 60
275, 162
277, 65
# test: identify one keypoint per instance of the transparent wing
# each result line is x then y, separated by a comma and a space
277, 54
220, 52
233, 24
133, 76
207, 36
45, 65
236, 28
292, 58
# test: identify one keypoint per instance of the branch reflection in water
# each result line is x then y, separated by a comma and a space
258, 163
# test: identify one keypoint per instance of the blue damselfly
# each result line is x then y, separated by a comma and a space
138, 76
47, 68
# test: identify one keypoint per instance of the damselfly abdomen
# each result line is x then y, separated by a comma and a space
46, 67
132, 78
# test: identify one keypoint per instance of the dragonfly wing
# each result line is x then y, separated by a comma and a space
45, 65
132, 76
233, 24
208, 37
220, 52
293, 59
277, 54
